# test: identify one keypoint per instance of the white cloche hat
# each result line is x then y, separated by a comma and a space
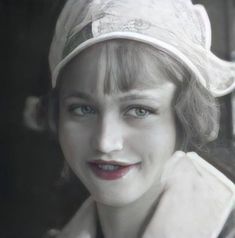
177, 27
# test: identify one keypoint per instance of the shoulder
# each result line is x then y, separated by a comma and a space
228, 230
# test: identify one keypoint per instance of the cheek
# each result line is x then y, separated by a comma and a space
159, 137
156, 144
75, 144
74, 140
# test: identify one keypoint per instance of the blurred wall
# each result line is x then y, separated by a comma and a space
231, 11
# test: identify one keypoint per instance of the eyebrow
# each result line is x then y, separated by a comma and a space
137, 97
132, 96
78, 94
128, 97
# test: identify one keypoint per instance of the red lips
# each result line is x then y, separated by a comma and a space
110, 170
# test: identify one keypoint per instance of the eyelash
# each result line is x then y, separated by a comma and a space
72, 109
148, 110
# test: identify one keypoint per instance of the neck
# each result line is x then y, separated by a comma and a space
128, 220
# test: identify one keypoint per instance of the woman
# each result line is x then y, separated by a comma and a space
134, 85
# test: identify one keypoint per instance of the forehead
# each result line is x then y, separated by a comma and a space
113, 67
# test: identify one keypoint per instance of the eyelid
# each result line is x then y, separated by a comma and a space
73, 106
76, 105
151, 110
78, 101
139, 106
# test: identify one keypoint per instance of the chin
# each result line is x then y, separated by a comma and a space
116, 198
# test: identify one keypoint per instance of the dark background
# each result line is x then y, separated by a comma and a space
33, 196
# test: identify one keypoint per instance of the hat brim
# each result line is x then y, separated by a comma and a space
219, 87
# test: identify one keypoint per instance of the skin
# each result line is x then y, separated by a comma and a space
136, 126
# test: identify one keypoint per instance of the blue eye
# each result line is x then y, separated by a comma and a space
139, 112
83, 110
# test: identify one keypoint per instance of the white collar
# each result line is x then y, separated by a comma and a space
194, 212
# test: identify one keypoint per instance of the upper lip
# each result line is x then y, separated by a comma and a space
111, 162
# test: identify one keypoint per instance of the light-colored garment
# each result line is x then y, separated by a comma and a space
202, 209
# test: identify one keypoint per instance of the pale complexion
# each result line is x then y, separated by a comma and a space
135, 127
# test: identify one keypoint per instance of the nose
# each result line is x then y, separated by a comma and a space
108, 136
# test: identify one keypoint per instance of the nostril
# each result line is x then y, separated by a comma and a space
107, 144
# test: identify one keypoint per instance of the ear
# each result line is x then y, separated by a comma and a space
31, 114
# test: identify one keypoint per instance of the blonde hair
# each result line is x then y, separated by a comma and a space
196, 110
127, 62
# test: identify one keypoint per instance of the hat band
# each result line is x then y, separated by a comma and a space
75, 48
78, 38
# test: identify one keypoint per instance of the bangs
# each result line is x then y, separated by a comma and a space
133, 65
122, 65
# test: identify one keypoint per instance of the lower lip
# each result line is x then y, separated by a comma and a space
111, 175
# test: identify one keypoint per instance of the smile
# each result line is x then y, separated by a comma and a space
110, 170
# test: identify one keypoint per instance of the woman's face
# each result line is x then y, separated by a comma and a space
117, 143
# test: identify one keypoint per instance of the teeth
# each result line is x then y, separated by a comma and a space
108, 167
